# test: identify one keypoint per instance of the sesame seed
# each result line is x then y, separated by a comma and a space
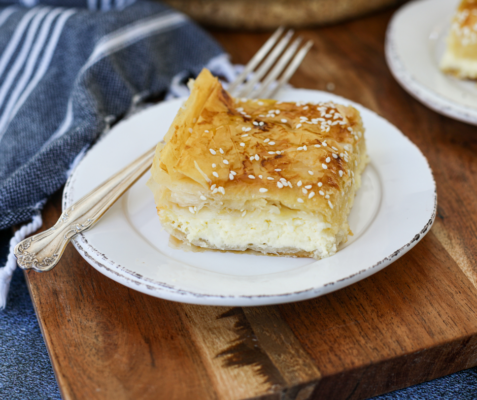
271, 143
305, 148
310, 172
231, 176
221, 151
242, 144
283, 180
324, 144
260, 103
298, 183
271, 152
278, 170
251, 177
298, 126
317, 145
324, 166
341, 173
305, 108
215, 174
290, 184
225, 162
355, 163
280, 185
190, 130
321, 192
270, 178
284, 121
213, 186
191, 209
308, 186
214, 191
221, 190
233, 172
260, 176
334, 148
327, 196
245, 135
206, 131
304, 191
277, 111
299, 200
214, 165
247, 129
255, 123
328, 159
320, 184
263, 190
261, 123
266, 140
252, 158
202, 197
312, 194
335, 155
212, 151
257, 157
331, 205
300, 148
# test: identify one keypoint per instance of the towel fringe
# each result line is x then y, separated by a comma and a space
6, 272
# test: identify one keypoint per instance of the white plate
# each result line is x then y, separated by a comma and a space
394, 208
415, 44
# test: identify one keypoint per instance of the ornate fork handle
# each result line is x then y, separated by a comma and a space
43, 251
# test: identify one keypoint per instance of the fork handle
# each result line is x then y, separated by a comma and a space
43, 251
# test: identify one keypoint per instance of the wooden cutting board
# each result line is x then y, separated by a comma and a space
412, 322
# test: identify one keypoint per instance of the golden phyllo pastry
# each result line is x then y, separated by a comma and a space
460, 58
273, 177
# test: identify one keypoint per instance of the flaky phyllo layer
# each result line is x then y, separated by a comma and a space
274, 177
460, 57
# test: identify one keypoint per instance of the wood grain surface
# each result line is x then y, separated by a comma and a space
412, 322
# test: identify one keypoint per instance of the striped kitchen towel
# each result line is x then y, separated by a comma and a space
68, 70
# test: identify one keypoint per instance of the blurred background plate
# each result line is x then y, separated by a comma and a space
415, 44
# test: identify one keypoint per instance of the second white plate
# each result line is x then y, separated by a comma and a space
394, 208
415, 44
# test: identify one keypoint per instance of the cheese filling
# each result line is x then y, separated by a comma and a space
288, 232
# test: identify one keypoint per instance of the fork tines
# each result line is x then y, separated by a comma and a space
274, 58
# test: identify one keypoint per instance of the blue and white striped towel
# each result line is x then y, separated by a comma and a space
66, 74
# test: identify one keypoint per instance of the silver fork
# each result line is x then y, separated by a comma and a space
43, 251
253, 89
